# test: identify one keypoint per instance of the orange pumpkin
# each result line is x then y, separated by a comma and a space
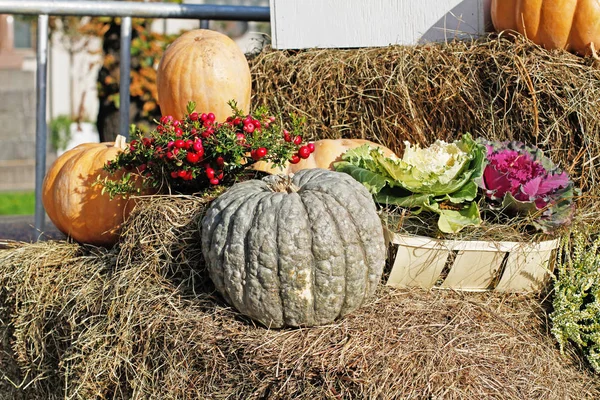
74, 204
573, 25
327, 151
206, 67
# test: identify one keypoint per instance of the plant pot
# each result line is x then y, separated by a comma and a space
520, 267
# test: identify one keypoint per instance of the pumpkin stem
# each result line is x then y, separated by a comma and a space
284, 184
120, 142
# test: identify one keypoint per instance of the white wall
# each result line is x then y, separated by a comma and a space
83, 72
361, 23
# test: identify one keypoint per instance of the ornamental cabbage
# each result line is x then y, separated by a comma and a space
439, 179
520, 180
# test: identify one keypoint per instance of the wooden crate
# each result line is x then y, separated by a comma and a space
425, 262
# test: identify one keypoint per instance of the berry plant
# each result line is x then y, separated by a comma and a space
197, 152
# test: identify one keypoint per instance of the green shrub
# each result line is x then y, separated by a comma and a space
60, 132
576, 315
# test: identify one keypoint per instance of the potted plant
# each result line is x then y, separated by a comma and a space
468, 215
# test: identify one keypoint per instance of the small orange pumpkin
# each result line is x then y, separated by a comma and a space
573, 25
74, 204
327, 151
206, 67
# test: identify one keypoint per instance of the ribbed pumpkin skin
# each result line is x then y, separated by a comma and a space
74, 204
295, 259
555, 24
207, 67
327, 151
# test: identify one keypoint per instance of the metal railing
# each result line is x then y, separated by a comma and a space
125, 10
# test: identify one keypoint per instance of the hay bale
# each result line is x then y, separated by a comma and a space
142, 321
495, 87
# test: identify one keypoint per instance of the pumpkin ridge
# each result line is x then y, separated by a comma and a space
363, 203
359, 243
290, 201
213, 237
96, 155
253, 204
266, 310
317, 195
68, 219
312, 248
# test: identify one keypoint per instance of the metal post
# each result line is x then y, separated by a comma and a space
40, 125
125, 65
204, 24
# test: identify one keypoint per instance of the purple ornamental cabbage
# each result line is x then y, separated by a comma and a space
520, 180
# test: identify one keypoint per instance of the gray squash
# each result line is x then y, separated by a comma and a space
295, 251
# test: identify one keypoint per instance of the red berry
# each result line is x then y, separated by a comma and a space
256, 124
192, 157
166, 119
176, 123
188, 176
170, 144
286, 136
261, 152
237, 121
249, 127
141, 168
174, 174
169, 155
197, 145
214, 181
194, 116
189, 143
311, 147
160, 129
181, 173
178, 131
210, 173
220, 161
298, 139
200, 152
253, 154
203, 117
240, 137
210, 117
272, 118
193, 131
295, 159
180, 144
304, 152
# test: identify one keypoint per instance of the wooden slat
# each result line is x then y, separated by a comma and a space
417, 267
473, 270
526, 270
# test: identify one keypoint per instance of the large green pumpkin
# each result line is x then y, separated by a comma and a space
295, 251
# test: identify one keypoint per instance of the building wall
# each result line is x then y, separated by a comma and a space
364, 23
17, 135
